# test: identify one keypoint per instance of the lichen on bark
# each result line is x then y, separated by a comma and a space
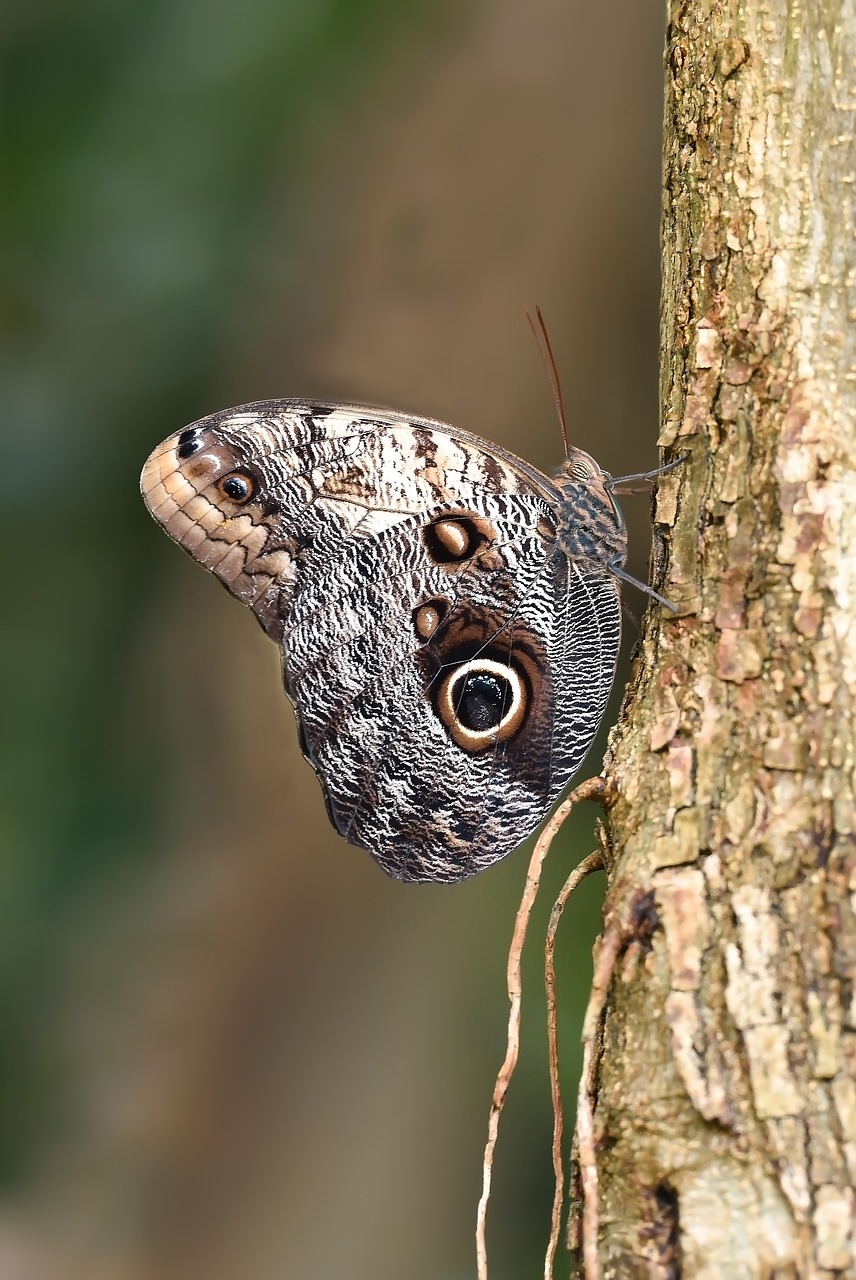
725, 1094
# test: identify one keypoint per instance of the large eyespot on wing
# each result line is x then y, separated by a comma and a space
483, 702
217, 504
484, 671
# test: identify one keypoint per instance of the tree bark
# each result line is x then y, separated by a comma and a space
724, 1094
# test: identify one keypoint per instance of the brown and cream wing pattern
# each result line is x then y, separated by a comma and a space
447, 651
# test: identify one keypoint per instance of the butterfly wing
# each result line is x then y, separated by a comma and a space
447, 660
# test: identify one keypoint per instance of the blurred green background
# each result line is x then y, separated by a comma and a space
229, 1046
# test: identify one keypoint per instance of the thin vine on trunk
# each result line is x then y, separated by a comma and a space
722, 1088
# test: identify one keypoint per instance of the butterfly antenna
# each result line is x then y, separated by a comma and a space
542, 338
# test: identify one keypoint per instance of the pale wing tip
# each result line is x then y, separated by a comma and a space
159, 466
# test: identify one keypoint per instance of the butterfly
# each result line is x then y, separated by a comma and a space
449, 617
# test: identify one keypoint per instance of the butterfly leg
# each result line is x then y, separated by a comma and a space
617, 568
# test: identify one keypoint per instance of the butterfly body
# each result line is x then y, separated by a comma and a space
449, 617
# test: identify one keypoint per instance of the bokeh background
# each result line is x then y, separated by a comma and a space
229, 1046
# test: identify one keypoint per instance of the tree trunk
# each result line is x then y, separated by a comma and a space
724, 1091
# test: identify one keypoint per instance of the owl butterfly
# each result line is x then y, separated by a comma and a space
449, 617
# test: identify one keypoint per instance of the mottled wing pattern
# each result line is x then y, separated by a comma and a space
366, 686
447, 659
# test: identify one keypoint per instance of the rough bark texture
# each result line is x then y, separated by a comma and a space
725, 1097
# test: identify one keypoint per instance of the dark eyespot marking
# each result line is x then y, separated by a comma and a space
237, 487
454, 538
189, 442
482, 701
428, 616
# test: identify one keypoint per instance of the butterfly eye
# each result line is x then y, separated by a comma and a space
581, 466
482, 702
237, 487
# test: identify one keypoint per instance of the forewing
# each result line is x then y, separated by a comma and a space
316, 476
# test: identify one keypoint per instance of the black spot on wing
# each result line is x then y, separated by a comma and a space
189, 442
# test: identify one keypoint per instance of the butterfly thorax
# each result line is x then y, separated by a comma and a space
589, 523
